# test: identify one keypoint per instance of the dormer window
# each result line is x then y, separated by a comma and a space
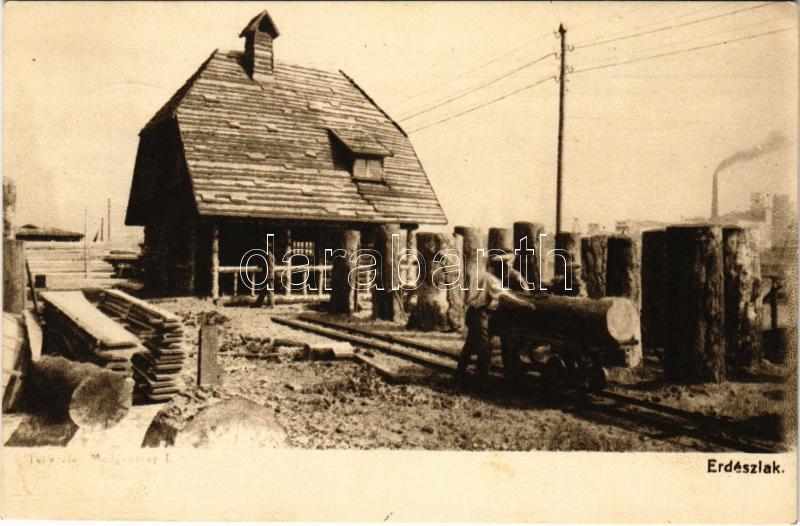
368, 169
365, 153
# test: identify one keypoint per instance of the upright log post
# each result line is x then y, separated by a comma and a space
471, 242
594, 253
654, 289
386, 304
622, 268
568, 266
343, 296
9, 207
743, 302
695, 342
527, 263
500, 239
215, 262
435, 309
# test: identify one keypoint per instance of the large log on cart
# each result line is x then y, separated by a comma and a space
92, 397
593, 264
583, 336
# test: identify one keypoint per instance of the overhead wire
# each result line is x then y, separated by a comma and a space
679, 51
666, 28
442, 102
487, 103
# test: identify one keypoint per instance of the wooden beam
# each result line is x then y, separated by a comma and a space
214, 262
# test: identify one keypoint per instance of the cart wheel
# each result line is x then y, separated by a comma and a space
513, 367
597, 377
555, 376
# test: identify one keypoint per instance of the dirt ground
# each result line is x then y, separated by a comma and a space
346, 404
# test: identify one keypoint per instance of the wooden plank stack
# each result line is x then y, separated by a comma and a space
81, 332
157, 369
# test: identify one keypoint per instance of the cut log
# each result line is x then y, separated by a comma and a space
9, 207
13, 276
527, 263
622, 268
654, 289
472, 239
92, 397
501, 239
743, 301
437, 309
386, 303
594, 250
695, 343
343, 296
601, 321
567, 280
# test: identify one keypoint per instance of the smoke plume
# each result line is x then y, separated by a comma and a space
775, 141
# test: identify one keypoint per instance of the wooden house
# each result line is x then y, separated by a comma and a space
251, 146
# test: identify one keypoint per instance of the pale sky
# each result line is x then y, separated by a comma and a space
641, 140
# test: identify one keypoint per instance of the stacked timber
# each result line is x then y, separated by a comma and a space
75, 328
157, 369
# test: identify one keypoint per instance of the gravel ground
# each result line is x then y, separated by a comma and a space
345, 404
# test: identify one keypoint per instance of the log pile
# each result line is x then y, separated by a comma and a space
92, 397
76, 329
157, 369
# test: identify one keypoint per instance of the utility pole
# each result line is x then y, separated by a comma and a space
85, 241
562, 88
108, 219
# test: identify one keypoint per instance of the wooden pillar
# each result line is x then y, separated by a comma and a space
209, 372
471, 242
622, 268
435, 309
695, 341
594, 251
342, 294
214, 262
743, 302
500, 238
528, 264
654, 289
569, 242
13, 276
386, 304
9, 207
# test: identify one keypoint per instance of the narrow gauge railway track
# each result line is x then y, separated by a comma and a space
607, 406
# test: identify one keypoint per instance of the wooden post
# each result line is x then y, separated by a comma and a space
569, 242
654, 289
9, 207
342, 294
594, 252
695, 340
622, 268
214, 262
500, 239
435, 310
13, 276
743, 302
472, 240
528, 264
386, 304
208, 370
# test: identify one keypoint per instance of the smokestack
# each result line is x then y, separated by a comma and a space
715, 197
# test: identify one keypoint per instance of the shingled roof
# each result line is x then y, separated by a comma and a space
269, 149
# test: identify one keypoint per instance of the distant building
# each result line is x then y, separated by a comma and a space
36, 233
769, 217
634, 228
